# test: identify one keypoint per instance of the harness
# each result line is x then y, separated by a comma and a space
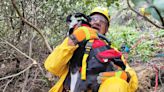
90, 59
84, 61
87, 52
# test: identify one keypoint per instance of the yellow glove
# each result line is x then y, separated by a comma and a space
105, 75
83, 33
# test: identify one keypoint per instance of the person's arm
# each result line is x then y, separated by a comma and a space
70, 42
58, 59
133, 83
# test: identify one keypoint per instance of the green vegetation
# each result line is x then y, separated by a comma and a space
144, 50
49, 16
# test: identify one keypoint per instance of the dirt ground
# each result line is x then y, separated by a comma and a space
36, 83
147, 75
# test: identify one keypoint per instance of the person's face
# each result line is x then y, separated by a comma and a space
100, 23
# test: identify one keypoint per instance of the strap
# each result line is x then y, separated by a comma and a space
73, 38
84, 61
104, 38
123, 59
84, 66
100, 49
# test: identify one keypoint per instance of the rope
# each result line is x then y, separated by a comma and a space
157, 75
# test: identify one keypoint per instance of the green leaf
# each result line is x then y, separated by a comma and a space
87, 2
117, 4
108, 2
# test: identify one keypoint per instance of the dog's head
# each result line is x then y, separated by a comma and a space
77, 19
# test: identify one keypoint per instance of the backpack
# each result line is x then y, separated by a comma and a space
89, 59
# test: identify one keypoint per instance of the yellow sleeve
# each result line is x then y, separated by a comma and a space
133, 83
58, 59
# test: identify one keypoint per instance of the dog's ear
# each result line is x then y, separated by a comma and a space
89, 18
68, 19
79, 15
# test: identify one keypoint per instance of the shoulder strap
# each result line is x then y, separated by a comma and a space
88, 47
104, 38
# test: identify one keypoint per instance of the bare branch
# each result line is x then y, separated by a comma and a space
159, 14
160, 76
34, 61
143, 16
17, 73
25, 81
7, 84
27, 72
31, 25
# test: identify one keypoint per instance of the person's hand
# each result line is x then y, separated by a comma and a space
83, 33
105, 75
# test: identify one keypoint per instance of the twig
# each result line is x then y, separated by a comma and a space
36, 74
7, 84
17, 73
159, 14
34, 61
143, 16
6, 42
2, 86
31, 25
160, 80
137, 43
118, 13
27, 72
162, 67
25, 82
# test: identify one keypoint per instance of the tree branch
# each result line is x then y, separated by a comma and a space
17, 73
31, 25
27, 72
34, 61
7, 84
159, 14
144, 16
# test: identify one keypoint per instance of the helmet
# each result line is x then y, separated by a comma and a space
101, 10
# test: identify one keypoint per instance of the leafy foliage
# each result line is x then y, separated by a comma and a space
143, 51
49, 16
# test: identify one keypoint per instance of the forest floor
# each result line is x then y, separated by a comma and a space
146, 72
32, 80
